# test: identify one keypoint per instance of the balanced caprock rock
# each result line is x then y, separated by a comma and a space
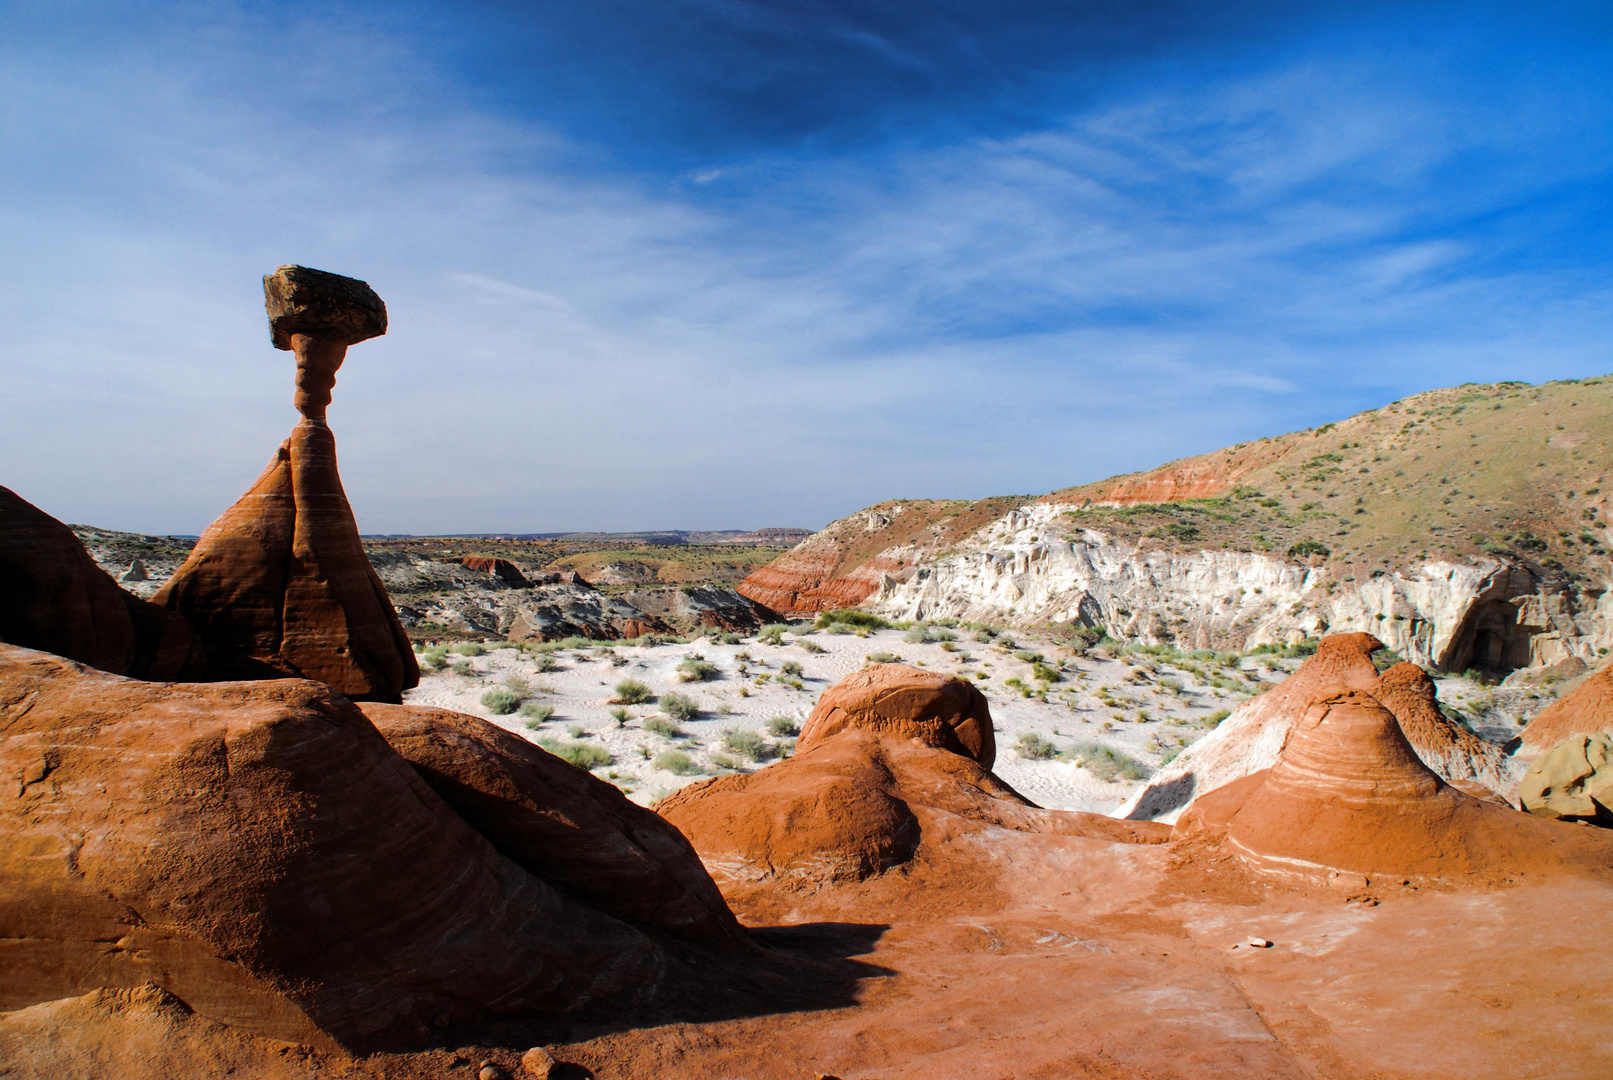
280, 582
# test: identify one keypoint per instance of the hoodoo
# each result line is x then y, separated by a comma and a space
280, 583
1350, 796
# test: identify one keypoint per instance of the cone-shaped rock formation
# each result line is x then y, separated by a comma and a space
1453, 752
280, 583
53, 597
1349, 795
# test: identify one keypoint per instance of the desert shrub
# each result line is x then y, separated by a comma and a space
545, 662
536, 714
679, 707
772, 634
1384, 659
919, 634
811, 646
724, 761
576, 731
1306, 548
582, 755
1043, 673
657, 725
1214, 719
1170, 755
500, 702
1106, 763
469, 648
883, 658
1035, 748
696, 670
722, 637
675, 762
620, 715
790, 667
518, 686
632, 692
948, 646
434, 658
1006, 642
985, 634
839, 628
783, 726
748, 744
463, 668
851, 617
940, 634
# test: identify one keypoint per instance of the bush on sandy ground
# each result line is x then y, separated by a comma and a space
546, 662
861, 620
679, 707
883, 658
772, 634
811, 646
500, 701
674, 761
1043, 673
469, 648
582, 755
747, 744
632, 692
1105, 762
434, 658
783, 726
918, 635
536, 714
620, 715
791, 667
695, 669
658, 725
1035, 748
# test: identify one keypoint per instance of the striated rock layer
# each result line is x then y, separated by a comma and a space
1252, 738
54, 597
260, 852
1349, 796
1589, 709
280, 582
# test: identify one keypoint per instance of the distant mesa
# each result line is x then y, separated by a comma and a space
280, 582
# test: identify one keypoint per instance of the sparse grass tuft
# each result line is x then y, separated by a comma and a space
1033, 747
632, 692
883, 658
582, 755
783, 726
695, 669
500, 702
676, 762
1105, 762
657, 725
747, 744
536, 714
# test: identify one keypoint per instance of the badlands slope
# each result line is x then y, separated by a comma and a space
1466, 528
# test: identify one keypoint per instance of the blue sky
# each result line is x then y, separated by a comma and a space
725, 264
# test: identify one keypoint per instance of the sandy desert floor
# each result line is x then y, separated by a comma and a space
1131, 703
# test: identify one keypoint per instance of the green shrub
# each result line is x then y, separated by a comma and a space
723, 761
469, 648
675, 762
851, 617
463, 668
1105, 762
937, 634
985, 634
632, 692
1170, 755
1035, 748
536, 714
883, 658
783, 726
748, 744
722, 637
434, 658
546, 662
1306, 548
582, 755
811, 646
659, 725
1043, 673
791, 667
919, 634
620, 715
1214, 719
500, 702
696, 670
518, 686
772, 634
576, 731
1027, 656
679, 707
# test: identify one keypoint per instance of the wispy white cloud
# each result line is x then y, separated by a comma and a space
1153, 275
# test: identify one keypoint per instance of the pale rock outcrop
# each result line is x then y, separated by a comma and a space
1573, 780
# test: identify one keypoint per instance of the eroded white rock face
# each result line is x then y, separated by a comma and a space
1030, 567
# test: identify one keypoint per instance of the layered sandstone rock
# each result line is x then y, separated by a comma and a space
1573, 780
54, 597
891, 755
1251, 738
1349, 796
503, 569
280, 583
1589, 709
909, 703
560, 823
259, 851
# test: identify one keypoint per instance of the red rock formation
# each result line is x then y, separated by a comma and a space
280, 582
559, 823
1589, 709
503, 569
909, 703
891, 755
259, 851
1350, 796
53, 597
1453, 752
